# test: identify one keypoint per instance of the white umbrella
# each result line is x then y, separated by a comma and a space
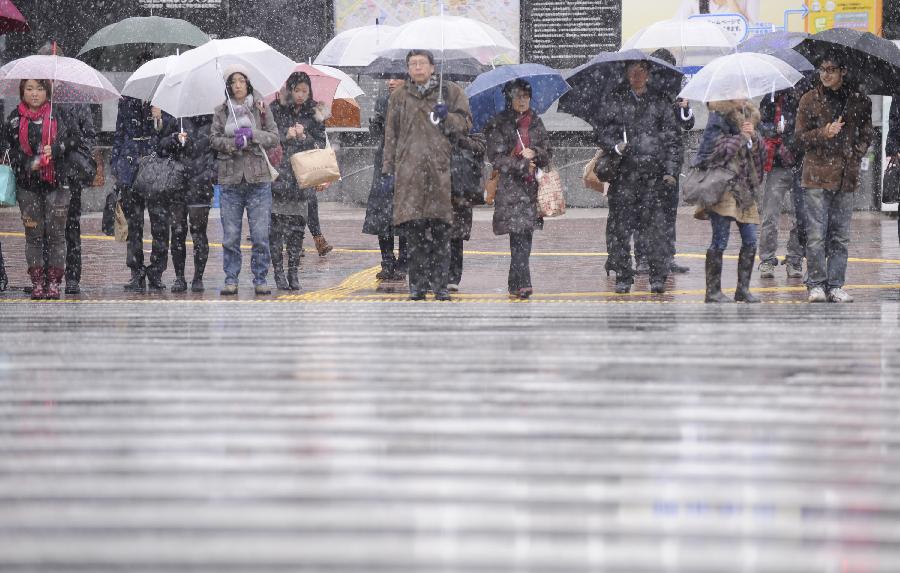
439, 33
347, 89
355, 47
143, 82
740, 76
692, 42
193, 84
73, 80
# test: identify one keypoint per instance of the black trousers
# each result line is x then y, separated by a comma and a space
429, 255
312, 212
456, 260
286, 231
519, 267
670, 209
196, 219
389, 261
637, 202
73, 235
158, 207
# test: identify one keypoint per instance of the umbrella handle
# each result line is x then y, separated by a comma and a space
434, 119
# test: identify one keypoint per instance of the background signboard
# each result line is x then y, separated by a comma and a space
862, 15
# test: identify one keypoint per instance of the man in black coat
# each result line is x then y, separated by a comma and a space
640, 127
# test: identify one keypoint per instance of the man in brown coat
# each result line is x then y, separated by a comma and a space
834, 127
417, 148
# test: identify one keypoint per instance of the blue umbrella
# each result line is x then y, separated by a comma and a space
486, 97
779, 44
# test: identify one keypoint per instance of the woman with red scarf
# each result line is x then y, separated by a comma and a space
518, 146
39, 145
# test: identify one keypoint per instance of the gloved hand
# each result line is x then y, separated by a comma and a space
670, 180
441, 110
242, 136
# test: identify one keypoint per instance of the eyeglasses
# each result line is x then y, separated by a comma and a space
830, 70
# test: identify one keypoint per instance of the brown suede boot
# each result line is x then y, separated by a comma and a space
54, 278
37, 283
322, 245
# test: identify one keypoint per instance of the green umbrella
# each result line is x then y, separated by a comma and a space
123, 46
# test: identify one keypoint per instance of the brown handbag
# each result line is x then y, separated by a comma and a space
316, 167
490, 188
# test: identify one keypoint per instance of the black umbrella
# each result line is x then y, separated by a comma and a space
604, 73
874, 62
457, 66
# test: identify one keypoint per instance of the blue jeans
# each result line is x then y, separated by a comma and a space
721, 229
828, 216
256, 198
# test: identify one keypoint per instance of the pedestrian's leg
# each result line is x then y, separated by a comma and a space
386, 246
440, 258
519, 281
794, 258
277, 230
671, 229
56, 214
199, 222
816, 210
838, 238
4, 279
777, 183
315, 227
31, 206
619, 229
746, 261
259, 217
295, 225
456, 261
73, 241
798, 198
179, 211
160, 226
231, 212
419, 276
133, 207
403, 258
655, 199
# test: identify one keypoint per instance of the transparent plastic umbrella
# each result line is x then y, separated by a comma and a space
355, 47
73, 80
142, 84
692, 42
740, 76
439, 33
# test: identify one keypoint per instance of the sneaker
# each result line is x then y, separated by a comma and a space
766, 270
453, 287
817, 294
839, 295
794, 271
229, 290
262, 289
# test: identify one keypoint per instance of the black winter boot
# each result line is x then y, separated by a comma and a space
137, 282
294, 248
746, 261
154, 280
714, 277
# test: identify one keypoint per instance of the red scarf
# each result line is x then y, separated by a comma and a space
48, 135
523, 125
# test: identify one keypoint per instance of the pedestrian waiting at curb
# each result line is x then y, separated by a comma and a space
417, 150
240, 136
39, 146
892, 149
380, 205
466, 174
300, 121
731, 140
783, 160
518, 146
834, 126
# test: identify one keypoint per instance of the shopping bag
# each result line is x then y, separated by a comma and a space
121, 225
7, 183
551, 201
316, 166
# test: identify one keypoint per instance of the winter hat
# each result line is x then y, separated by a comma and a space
236, 69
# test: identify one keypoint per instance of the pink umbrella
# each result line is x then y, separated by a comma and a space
11, 20
73, 80
323, 86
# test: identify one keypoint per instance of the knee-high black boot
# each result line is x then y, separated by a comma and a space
714, 277
294, 242
746, 261
4, 280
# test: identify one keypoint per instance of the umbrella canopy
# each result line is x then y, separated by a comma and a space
193, 84
486, 97
142, 84
119, 45
604, 72
11, 20
692, 42
439, 33
779, 44
355, 47
324, 86
347, 88
740, 76
874, 62
456, 66
73, 80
